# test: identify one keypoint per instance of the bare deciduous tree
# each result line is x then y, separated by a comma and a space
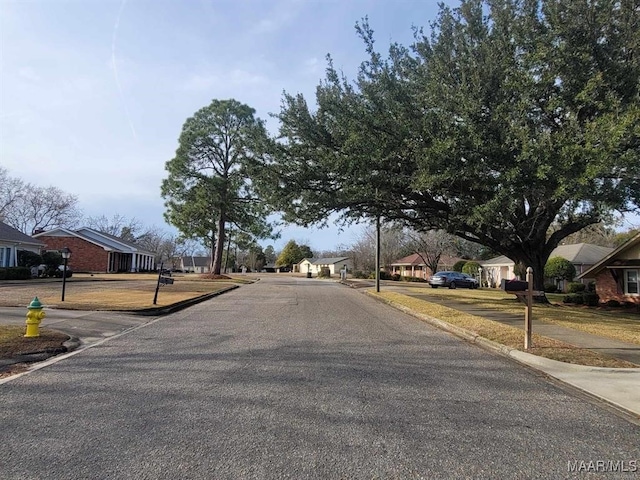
10, 191
42, 208
431, 245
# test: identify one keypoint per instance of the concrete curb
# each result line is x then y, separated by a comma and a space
33, 357
174, 307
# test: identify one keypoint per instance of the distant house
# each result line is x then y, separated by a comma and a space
414, 266
195, 264
582, 255
313, 265
93, 251
273, 268
617, 275
12, 241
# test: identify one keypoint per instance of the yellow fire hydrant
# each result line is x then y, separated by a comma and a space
34, 317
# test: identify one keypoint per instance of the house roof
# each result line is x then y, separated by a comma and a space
191, 261
415, 259
581, 253
104, 240
611, 258
329, 260
497, 261
310, 260
13, 235
578, 254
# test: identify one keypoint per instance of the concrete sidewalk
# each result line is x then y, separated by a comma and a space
619, 387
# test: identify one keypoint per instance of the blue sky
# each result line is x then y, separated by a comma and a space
94, 93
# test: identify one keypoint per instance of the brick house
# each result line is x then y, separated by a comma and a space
93, 251
618, 274
414, 266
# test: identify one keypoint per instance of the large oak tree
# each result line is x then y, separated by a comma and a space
510, 117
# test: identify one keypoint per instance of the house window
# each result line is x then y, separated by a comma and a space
3, 256
631, 282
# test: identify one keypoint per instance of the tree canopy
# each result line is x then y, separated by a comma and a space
293, 253
510, 117
208, 186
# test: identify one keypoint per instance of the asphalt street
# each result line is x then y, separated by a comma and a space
301, 378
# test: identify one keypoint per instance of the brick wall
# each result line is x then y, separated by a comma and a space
608, 289
85, 256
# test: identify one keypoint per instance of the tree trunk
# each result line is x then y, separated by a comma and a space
217, 258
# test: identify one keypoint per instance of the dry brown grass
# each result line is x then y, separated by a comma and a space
134, 293
505, 334
620, 324
13, 341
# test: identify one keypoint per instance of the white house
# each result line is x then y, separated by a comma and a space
582, 255
334, 264
195, 264
13, 240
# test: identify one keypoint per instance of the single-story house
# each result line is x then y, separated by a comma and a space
273, 268
414, 266
582, 255
195, 264
313, 265
617, 275
12, 241
93, 251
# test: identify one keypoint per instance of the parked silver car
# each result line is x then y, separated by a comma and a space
453, 280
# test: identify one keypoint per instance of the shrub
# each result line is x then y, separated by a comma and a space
550, 288
590, 299
15, 273
458, 266
361, 274
28, 259
383, 275
325, 272
396, 277
576, 287
471, 268
583, 298
413, 279
613, 303
573, 298
558, 267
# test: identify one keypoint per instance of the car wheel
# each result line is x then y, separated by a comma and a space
452, 285
434, 286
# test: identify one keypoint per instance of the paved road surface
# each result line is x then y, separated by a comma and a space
298, 378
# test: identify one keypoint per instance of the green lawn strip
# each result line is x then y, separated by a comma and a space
504, 334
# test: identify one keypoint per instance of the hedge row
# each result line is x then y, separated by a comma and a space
15, 273
583, 298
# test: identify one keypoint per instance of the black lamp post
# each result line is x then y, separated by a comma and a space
66, 253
